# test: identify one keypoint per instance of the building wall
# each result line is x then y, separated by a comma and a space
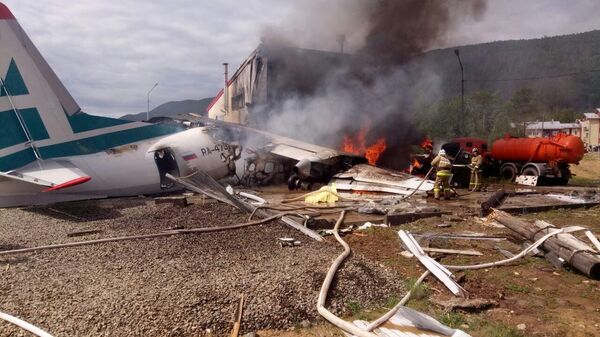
590, 132
590, 129
535, 133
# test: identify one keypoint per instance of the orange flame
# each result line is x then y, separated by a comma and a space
358, 145
416, 164
373, 152
427, 144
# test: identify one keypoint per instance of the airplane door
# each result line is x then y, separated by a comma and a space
166, 163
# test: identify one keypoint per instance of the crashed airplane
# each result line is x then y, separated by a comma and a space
51, 151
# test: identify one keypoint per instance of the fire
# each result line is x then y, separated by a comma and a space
416, 164
357, 144
373, 152
427, 144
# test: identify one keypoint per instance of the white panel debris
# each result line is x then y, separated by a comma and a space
411, 323
443, 274
527, 180
370, 178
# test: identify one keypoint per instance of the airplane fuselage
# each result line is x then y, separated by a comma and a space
129, 170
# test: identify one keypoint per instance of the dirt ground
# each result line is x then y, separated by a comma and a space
531, 294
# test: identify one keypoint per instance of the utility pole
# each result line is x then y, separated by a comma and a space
462, 83
148, 101
341, 39
226, 99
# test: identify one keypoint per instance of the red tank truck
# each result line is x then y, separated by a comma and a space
547, 158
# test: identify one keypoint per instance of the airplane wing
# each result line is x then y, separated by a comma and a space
51, 174
314, 162
283, 146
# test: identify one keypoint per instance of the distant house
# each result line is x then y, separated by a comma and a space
590, 129
551, 128
271, 75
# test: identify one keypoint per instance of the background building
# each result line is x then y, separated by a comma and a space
590, 129
551, 128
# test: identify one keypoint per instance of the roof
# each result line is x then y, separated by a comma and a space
591, 115
552, 125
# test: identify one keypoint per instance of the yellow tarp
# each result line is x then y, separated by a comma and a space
326, 194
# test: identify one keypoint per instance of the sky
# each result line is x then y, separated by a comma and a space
109, 54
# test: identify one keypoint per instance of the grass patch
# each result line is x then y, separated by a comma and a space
354, 307
517, 288
501, 330
391, 301
453, 319
586, 182
419, 292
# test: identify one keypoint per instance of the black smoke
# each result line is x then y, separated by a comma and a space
371, 87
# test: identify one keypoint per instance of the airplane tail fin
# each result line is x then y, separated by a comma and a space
34, 104
39, 119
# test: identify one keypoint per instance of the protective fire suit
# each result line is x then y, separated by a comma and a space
443, 166
476, 162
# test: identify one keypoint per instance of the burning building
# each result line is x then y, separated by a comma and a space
275, 77
270, 76
361, 102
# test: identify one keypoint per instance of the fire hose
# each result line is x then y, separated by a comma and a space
24, 325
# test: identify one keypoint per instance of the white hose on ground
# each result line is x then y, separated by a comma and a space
521, 254
422, 181
328, 315
376, 323
24, 325
259, 200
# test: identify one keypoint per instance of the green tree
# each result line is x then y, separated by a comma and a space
523, 107
483, 108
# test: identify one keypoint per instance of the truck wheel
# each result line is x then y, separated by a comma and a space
508, 172
530, 171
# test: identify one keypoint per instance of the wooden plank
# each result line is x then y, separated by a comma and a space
452, 251
238, 318
83, 233
402, 218
180, 201
543, 208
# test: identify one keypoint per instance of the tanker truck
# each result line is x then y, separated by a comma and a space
547, 158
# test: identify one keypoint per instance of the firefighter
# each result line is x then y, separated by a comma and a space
443, 166
476, 162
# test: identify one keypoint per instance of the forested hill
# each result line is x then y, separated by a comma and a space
505, 66
510, 82
173, 109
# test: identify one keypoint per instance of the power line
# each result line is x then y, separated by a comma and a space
534, 78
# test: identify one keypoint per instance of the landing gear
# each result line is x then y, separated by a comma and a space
296, 183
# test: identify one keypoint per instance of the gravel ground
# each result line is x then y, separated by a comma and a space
174, 286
